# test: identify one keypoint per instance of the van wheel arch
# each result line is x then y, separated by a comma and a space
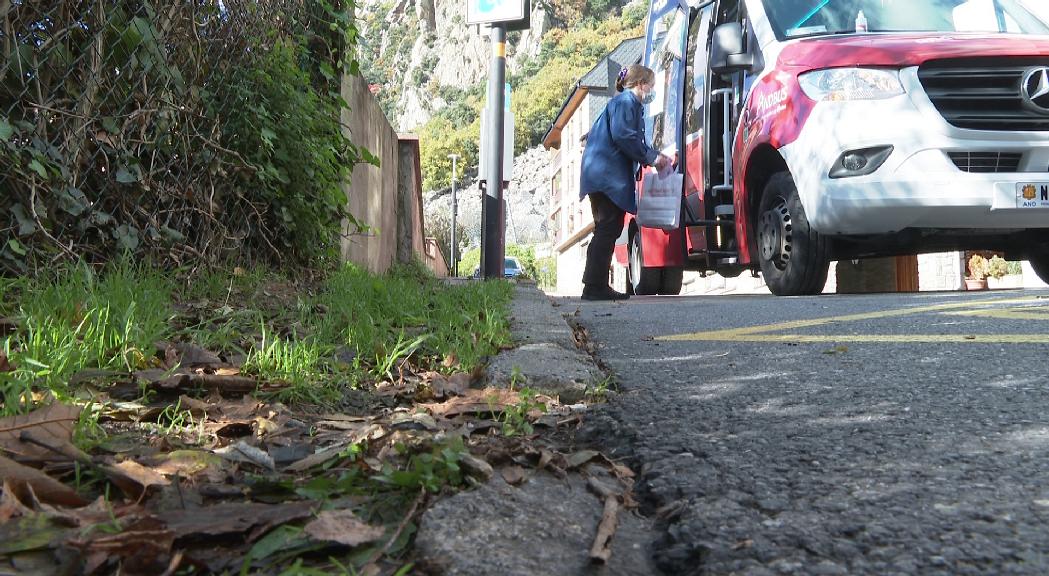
763, 164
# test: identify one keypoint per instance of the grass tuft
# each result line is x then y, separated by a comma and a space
80, 319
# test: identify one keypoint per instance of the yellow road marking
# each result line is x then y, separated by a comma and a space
761, 333
1022, 313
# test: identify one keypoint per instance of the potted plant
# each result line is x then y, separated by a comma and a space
997, 269
977, 277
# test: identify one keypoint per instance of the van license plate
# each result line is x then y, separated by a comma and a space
1032, 195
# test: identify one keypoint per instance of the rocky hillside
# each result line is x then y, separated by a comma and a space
412, 49
526, 201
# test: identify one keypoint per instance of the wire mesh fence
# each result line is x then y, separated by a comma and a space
117, 128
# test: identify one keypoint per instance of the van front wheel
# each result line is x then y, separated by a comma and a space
794, 258
1039, 261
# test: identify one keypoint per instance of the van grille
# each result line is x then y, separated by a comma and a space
982, 93
986, 161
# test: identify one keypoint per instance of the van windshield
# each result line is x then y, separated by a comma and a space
797, 18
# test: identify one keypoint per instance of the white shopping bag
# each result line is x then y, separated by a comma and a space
660, 203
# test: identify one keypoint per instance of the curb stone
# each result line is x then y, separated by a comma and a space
545, 357
546, 525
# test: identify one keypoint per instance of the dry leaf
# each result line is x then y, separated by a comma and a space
343, 424
417, 421
33, 532
449, 361
343, 527
369, 432
191, 355
513, 475
315, 459
127, 412
486, 401
265, 426
46, 488
5, 365
244, 408
244, 452
582, 457
197, 408
454, 385
182, 382
11, 506
134, 479
621, 471
232, 518
143, 546
189, 463
52, 424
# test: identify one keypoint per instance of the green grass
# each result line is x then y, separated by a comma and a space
296, 363
81, 319
357, 327
376, 317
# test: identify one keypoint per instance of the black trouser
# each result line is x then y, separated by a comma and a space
608, 225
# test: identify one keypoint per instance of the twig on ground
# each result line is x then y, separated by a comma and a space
601, 550
400, 528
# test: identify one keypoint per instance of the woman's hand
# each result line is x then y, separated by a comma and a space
662, 162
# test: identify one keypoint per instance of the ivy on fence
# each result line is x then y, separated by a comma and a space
184, 131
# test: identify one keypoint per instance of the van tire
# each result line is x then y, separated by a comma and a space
671, 282
1039, 261
645, 280
794, 258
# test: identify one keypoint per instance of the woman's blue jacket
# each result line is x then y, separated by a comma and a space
614, 148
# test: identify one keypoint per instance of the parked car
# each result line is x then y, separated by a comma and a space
511, 268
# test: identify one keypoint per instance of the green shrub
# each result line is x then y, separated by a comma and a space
997, 267
291, 137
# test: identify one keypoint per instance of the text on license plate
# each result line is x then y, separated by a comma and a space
1032, 194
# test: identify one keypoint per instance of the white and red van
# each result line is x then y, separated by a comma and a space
817, 130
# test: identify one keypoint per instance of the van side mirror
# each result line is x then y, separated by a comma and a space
726, 50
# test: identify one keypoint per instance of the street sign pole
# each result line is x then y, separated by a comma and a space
454, 267
492, 242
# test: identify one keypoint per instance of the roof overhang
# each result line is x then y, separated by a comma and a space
575, 98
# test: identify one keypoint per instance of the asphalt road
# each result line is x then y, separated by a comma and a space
869, 434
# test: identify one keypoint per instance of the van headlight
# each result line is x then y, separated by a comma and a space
836, 84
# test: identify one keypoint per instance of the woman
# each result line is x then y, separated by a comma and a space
615, 147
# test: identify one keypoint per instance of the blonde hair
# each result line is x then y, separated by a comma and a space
634, 75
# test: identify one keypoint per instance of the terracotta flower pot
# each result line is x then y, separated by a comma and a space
973, 284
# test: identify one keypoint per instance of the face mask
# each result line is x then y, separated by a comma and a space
649, 98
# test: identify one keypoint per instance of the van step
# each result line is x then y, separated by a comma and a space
716, 253
725, 223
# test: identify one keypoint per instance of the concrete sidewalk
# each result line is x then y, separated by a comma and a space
547, 524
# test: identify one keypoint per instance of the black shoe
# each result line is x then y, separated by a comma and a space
603, 293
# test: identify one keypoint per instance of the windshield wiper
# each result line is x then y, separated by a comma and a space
811, 13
